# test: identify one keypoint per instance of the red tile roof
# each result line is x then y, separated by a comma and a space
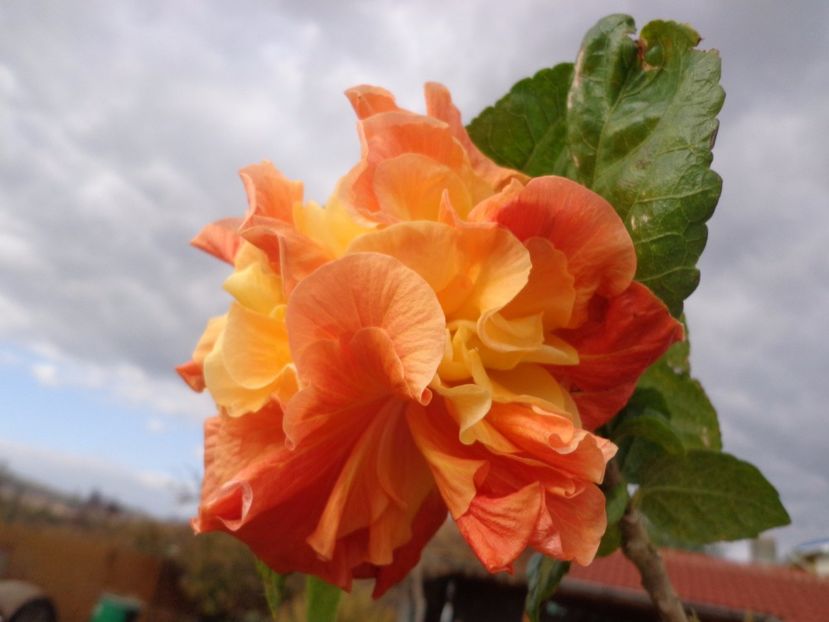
791, 595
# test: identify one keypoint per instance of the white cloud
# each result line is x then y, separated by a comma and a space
45, 374
156, 425
129, 384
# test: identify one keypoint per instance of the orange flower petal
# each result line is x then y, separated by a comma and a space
455, 467
439, 105
370, 100
583, 226
233, 445
499, 528
411, 186
192, 371
428, 520
368, 334
290, 254
255, 487
550, 289
554, 440
369, 290
220, 239
346, 386
387, 135
251, 479
361, 498
577, 526
472, 270
627, 334
270, 193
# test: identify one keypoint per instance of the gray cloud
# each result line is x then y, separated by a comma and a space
123, 126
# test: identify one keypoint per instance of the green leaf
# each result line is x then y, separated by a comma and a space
684, 401
526, 129
641, 123
611, 541
667, 388
678, 356
634, 121
615, 504
707, 497
652, 426
543, 577
605, 60
274, 587
322, 599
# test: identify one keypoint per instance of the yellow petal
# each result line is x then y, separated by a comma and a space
332, 227
532, 384
521, 340
237, 400
255, 287
255, 347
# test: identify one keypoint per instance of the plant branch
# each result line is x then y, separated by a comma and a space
639, 549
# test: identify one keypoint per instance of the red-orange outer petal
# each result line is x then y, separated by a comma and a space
582, 225
616, 345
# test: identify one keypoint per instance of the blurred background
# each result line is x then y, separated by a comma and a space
122, 126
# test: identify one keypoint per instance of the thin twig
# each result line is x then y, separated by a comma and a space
638, 548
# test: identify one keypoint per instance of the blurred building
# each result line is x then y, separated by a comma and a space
609, 590
813, 557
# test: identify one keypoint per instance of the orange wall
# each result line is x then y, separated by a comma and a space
75, 568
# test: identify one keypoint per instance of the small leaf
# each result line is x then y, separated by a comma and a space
707, 497
668, 388
543, 577
641, 123
274, 587
678, 356
615, 504
526, 129
651, 426
322, 599
611, 541
684, 401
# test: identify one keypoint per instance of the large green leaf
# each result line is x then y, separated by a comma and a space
543, 577
636, 125
708, 496
526, 129
641, 123
322, 599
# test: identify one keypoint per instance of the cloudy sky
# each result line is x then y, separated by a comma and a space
122, 126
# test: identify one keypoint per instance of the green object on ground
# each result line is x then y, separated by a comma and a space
112, 608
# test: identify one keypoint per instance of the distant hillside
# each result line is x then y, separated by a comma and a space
24, 499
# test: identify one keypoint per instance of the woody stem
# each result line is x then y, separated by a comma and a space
638, 548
